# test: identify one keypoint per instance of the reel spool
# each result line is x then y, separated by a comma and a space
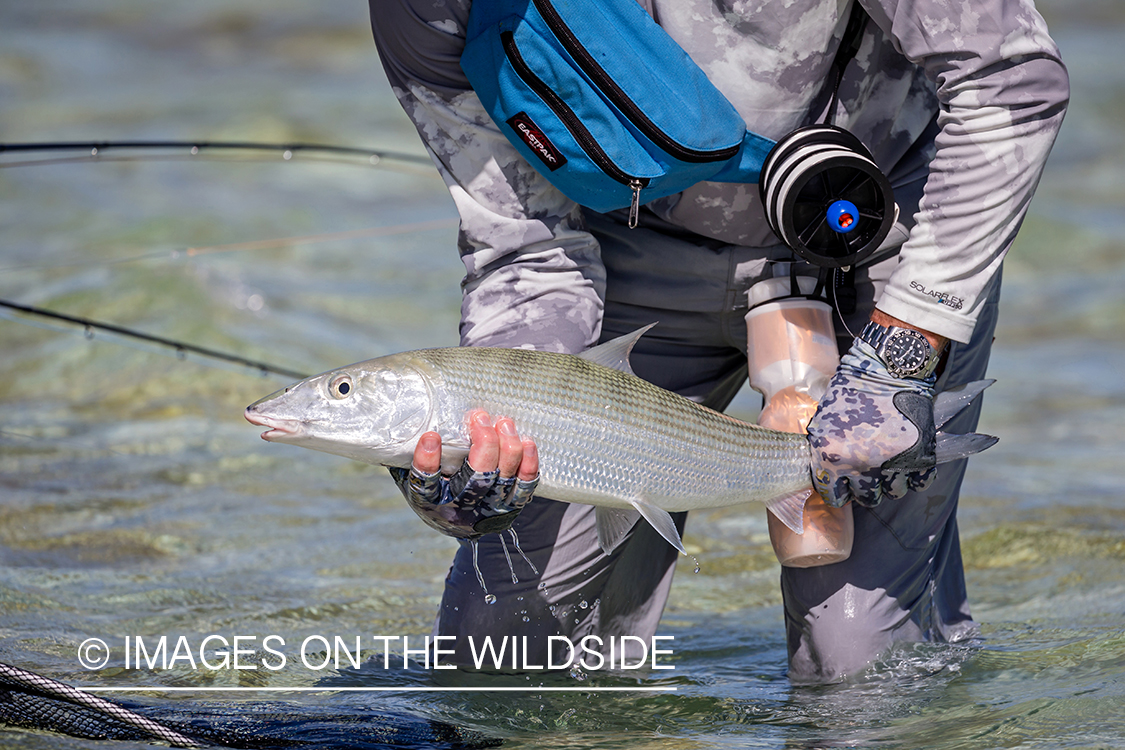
825, 197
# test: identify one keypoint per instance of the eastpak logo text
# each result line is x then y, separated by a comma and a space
536, 140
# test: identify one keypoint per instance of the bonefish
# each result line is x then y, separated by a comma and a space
605, 436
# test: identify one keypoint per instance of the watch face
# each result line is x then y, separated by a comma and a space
906, 352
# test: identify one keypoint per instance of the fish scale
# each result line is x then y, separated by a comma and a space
609, 437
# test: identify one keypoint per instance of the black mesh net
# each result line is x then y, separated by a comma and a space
32, 701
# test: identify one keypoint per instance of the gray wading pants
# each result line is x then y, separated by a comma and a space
903, 582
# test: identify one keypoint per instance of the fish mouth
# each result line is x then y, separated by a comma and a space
279, 429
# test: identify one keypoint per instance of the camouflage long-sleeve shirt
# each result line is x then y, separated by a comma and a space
958, 100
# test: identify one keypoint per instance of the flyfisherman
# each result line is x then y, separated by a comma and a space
959, 106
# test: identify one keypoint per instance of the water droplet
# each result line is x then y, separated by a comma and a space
490, 598
526, 619
194, 150
287, 155
374, 159
542, 586
582, 604
519, 598
696, 561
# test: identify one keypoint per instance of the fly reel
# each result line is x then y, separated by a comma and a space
825, 197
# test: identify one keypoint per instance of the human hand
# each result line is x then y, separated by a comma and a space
873, 435
485, 495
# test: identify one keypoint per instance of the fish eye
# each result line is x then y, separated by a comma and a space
341, 387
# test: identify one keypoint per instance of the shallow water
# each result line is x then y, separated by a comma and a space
135, 500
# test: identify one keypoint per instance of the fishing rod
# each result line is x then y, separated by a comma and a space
181, 348
193, 148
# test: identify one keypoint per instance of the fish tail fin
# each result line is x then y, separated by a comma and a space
952, 447
947, 405
790, 509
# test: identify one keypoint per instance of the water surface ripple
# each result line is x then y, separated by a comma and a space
135, 501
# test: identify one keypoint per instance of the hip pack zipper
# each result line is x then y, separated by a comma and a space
572, 122
620, 99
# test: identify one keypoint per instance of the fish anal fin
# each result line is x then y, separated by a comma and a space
660, 520
614, 353
790, 509
613, 524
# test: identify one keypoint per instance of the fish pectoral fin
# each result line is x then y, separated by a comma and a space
660, 520
614, 353
790, 509
613, 524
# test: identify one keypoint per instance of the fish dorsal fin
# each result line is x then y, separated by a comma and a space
613, 524
662, 522
614, 353
790, 509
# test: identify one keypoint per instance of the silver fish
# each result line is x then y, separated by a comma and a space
605, 436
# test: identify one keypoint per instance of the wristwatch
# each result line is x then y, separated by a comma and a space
906, 353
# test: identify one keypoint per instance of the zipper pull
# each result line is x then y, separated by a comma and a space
635, 206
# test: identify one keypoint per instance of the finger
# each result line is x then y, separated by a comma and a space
838, 493
834, 490
866, 490
523, 492
511, 449
529, 466
484, 443
922, 481
468, 487
427, 454
896, 484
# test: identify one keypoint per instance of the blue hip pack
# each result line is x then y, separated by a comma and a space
604, 100
613, 112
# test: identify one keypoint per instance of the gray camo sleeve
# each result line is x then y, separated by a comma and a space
1002, 90
533, 275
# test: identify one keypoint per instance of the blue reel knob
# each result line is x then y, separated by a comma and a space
842, 216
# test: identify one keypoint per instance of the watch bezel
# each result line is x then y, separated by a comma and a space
884, 340
893, 353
